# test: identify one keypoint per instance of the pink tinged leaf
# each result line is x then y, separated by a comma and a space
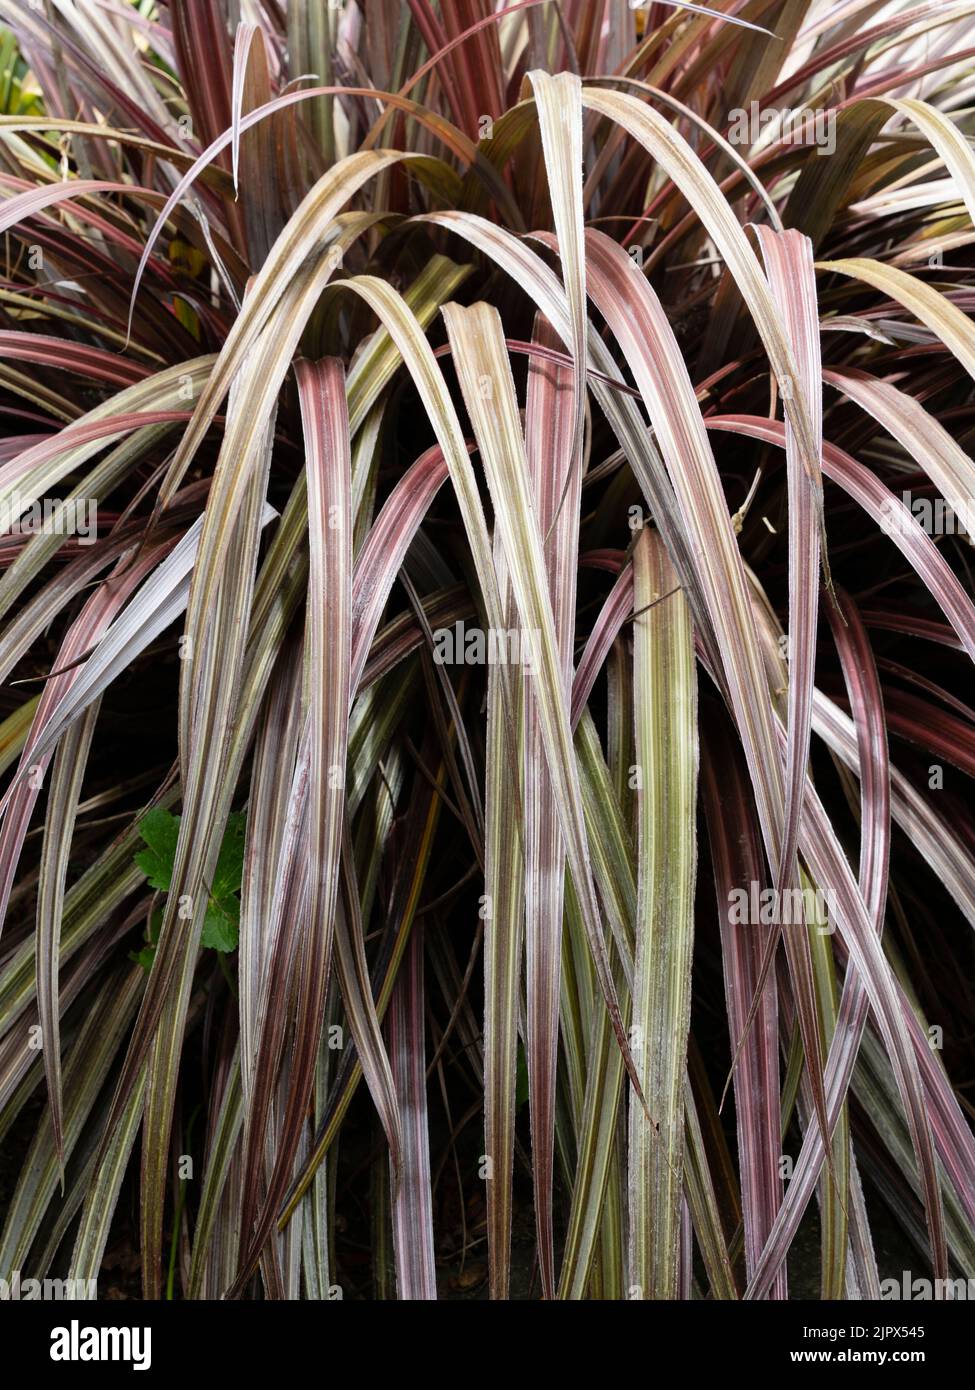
503, 910
828, 865
863, 687
932, 728
325, 424
928, 442
558, 101
792, 280
362, 1013
477, 341
617, 403
64, 698
951, 1133
286, 914
82, 358
208, 705
275, 754
890, 514
70, 762
159, 602
416, 1275
637, 319
14, 210
79, 433
550, 439
737, 864
615, 610
384, 550
242, 46
952, 863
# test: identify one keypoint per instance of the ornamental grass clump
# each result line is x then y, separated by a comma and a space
486, 647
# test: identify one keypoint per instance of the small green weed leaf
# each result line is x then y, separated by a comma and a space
159, 829
221, 926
